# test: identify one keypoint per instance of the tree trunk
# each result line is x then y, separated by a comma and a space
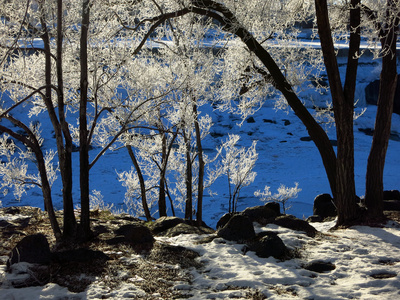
200, 189
380, 141
162, 205
83, 131
343, 107
142, 184
64, 152
46, 190
315, 131
188, 179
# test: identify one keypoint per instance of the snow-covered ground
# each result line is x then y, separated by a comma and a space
362, 256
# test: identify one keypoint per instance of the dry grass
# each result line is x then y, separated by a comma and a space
155, 272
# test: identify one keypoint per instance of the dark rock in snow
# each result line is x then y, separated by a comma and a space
306, 139
138, 236
320, 266
239, 228
268, 244
372, 93
184, 228
324, 206
294, 223
274, 206
391, 205
32, 249
260, 214
224, 219
250, 120
165, 223
391, 195
315, 218
383, 275
269, 121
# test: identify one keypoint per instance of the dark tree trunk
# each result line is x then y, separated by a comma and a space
316, 132
343, 107
64, 152
83, 131
380, 142
33, 144
188, 179
141, 181
199, 213
162, 205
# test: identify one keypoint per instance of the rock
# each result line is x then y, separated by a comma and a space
383, 275
372, 93
294, 223
136, 235
260, 214
250, 120
320, 266
306, 139
239, 228
324, 206
184, 228
391, 205
275, 207
268, 244
32, 249
164, 223
315, 218
391, 195
224, 219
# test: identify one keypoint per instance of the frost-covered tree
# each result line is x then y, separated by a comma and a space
250, 22
283, 195
237, 163
68, 60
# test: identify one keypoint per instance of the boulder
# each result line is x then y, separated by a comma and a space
391, 205
137, 235
239, 228
32, 249
294, 223
268, 244
165, 223
260, 214
275, 206
224, 219
324, 206
320, 266
391, 195
372, 93
184, 228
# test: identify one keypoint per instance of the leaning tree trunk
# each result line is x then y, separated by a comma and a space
141, 182
316, 132
380, 141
